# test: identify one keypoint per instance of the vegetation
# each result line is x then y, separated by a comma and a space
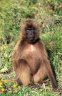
48, 14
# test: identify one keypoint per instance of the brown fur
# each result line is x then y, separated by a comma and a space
30, 60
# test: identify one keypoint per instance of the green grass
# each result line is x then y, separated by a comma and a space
12, 12
27, 91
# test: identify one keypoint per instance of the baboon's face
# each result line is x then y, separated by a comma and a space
30, 34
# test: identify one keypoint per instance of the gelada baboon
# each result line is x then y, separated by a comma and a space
30, 58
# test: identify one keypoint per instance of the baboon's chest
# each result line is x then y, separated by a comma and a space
32, 52
33, 56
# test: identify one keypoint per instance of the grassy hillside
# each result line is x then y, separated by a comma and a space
48, 14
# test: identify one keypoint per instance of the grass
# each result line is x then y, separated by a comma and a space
49, 15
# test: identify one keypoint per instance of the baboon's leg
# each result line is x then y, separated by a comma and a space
23, 73
40, 75
45, 70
